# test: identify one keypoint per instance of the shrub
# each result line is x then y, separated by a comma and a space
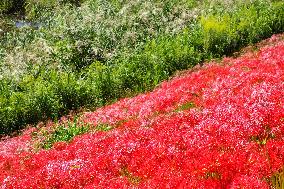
10, 6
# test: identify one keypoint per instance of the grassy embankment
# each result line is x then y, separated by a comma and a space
219, 126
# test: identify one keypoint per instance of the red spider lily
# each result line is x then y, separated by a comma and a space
219, 127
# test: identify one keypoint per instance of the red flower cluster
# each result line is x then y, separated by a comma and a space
219, 127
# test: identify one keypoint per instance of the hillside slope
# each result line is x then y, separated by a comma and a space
85, 57
221, 126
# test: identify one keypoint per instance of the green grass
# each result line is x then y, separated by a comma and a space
92, 54
62, 132
186, 106
45, 138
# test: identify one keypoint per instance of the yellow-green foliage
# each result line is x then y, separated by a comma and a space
224, 32
34, 9
217, 30
6, 6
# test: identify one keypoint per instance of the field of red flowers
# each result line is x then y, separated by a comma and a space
221, 126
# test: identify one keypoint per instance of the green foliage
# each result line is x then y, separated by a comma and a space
225, 33
64, 133
186, 106
91, 55
103, 127
35, 9
10, 6
101, 79
47, 96
5, 26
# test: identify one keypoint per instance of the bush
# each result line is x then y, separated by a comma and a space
10, 6
35, 9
